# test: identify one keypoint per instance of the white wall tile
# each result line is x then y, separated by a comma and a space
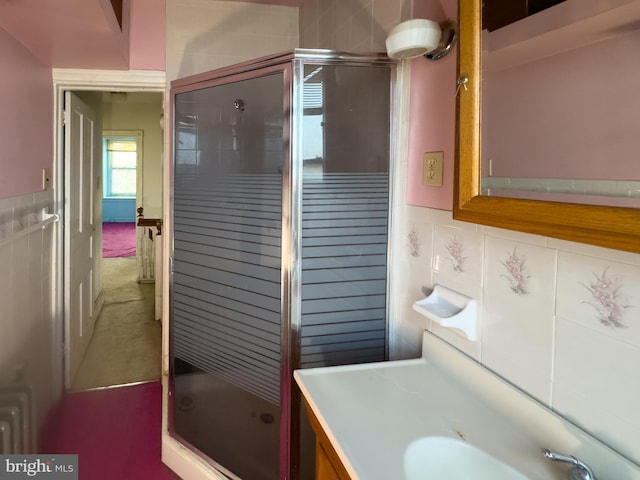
519, 270
596, 383
361, 38
26, 292
457, 264
406, 344
595, 252
7, 338
204, 35
459, 340
415, 240
34, 275
513, 235
386, 15
358, 26
47, 276
22, 291
458, 258
409, 285
444, 217
6, 223
518, 307
549, 341
601, 295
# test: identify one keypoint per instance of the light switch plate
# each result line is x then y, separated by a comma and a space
432, 165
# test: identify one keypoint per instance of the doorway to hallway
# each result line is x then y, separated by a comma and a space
126, 342
117, 351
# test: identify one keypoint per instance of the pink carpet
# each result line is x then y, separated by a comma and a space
118, 239
115, 432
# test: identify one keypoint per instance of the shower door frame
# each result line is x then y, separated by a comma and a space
280, 63
291, 65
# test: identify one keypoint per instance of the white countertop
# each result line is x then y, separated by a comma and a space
372, 412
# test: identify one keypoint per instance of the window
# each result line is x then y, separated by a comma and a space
312, 121
120, 159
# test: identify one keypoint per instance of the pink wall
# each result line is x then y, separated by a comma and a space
432, 114
147, 35
26, 119
26, 96
285, 3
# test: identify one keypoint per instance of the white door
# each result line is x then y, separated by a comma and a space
80, 137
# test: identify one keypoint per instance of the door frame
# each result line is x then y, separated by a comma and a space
175, 455
85, 80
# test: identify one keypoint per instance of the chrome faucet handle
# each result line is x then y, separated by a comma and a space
579, 470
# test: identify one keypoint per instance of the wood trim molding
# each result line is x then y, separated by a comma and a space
87, 79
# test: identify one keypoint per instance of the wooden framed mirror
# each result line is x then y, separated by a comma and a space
613, 227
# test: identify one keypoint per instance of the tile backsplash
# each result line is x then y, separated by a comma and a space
559, 320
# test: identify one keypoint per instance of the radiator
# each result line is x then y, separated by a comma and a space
146, 245
158, 274
16, 422
145, 248
149, 255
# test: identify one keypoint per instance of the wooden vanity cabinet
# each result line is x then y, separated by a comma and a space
328, 464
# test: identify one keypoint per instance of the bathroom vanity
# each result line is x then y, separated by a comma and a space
440, 416
329, 466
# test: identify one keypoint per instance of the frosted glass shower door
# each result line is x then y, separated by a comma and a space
226, 296
344, 170
345, 164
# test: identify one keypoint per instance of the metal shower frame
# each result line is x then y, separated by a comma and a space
291, 65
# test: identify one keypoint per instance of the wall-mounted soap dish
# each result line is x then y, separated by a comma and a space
450, 309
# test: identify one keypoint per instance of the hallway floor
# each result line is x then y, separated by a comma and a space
126, 346
114, 431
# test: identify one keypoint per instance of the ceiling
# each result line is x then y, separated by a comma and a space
68, 33
76, 33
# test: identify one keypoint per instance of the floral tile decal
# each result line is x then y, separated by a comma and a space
456, 257
516, 272
606, 299
414, 242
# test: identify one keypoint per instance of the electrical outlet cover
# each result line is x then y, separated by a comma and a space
432, 166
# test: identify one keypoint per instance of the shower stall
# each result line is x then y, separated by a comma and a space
280, 211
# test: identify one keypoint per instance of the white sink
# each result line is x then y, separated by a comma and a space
444, 457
